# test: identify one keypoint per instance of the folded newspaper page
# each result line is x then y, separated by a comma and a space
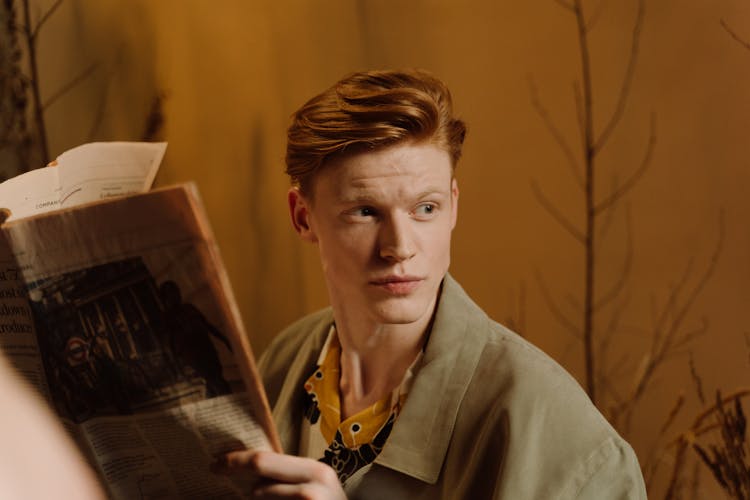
120, 312
89, 172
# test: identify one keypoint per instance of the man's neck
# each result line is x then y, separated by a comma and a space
375, 358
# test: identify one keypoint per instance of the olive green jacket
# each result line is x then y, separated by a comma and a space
488, 416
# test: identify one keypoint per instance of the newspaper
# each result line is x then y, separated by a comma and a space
120, 313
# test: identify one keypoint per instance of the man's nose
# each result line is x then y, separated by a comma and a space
396, 240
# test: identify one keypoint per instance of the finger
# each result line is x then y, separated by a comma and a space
275, 466
4, 214
232, 462
291, 469
283, 490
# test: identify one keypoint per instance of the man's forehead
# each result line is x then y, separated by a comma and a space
373, 183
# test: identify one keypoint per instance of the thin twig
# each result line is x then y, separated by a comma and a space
555, 213
697, 430
673, 414
618, 286
695, 482
609, 218
587, 141
626, 81
697, 381
671, 302
663, 345
556, 133
674, 479
565, 5
651, 464
70, 85
635, 176
38, 111
556, 312
688, 337
45, 17
679, 317
734, 35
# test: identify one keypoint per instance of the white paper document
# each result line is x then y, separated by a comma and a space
87, 173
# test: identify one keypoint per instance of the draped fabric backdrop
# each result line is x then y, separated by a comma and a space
230, 73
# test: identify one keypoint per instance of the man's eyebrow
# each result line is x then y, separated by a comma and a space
356, 198
364, 197
432, 192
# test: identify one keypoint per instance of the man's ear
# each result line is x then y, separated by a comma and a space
299, 211
454, 202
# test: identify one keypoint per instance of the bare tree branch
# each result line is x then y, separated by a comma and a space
618, 286
70, 85
682, 312
555, 133
674, 480
555, 213
697, 381
587, 140
671, 303
734, 35
565, 5
626, 81
673, 413
665, 344
556, 312
38, 112
635, 176
606, 224
687, 337
697, 426
45, 17
608, 370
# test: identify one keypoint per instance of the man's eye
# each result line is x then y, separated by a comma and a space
363, 212
425, 209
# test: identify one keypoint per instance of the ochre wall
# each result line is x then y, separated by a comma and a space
233, 71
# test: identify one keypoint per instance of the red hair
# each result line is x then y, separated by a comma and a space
367, 111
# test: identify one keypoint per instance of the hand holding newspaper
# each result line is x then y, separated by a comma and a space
120, 313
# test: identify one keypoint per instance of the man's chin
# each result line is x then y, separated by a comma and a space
401, 312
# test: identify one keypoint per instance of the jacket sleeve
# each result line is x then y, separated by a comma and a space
616, 476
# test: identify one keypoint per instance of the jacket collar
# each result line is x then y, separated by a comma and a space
421, 435
287, 412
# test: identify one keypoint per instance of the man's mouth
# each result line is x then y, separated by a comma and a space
398, 285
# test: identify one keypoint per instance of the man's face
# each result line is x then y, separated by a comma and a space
382, 221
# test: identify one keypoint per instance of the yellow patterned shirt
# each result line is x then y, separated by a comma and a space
349, 445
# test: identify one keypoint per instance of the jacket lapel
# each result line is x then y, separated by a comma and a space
287, 413
421, 435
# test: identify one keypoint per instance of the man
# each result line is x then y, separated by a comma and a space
404, 388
